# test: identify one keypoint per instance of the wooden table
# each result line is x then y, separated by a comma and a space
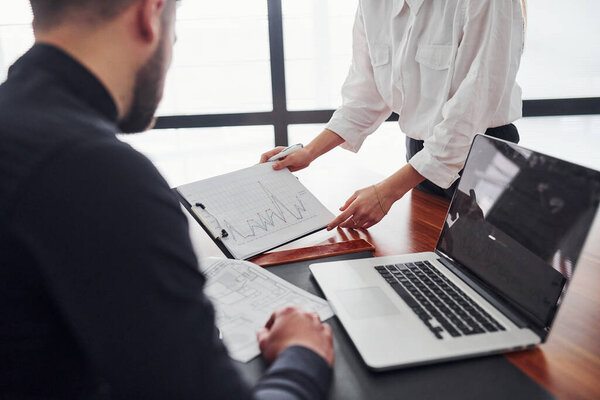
568, 365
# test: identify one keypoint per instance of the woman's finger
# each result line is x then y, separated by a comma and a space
340, 218
351, 223
288, 162
349, 201
265, 156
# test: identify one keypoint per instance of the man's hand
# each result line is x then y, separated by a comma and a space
293, 326
296, 161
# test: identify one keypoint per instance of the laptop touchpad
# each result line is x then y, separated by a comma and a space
366, 302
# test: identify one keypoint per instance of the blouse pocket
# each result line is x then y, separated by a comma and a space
434, 56
380, 54
382, 70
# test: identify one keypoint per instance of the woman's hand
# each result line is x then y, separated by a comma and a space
302, 158
364, 209
296, 161
368, 206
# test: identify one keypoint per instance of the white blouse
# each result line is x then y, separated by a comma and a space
447, 68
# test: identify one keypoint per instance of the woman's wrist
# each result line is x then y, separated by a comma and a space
312, 151
397, 185
320, 145
388, 194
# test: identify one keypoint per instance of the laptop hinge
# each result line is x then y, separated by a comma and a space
508, 310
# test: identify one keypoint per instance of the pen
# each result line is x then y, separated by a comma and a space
286, 152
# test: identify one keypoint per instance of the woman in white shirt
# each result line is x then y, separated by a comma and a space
447, 68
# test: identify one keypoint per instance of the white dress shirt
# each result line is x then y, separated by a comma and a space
446, 67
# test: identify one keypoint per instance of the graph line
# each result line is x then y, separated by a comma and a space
265, 221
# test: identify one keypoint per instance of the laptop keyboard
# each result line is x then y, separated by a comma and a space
438, 302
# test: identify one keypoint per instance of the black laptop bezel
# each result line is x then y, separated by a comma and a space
516, 314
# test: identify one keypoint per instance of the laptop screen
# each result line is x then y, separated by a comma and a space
518, 222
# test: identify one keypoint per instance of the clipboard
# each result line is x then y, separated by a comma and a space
252, 211
211, 232
269, 259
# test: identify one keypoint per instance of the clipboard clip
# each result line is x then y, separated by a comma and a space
212, 223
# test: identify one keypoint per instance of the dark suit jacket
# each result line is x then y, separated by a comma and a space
100, 294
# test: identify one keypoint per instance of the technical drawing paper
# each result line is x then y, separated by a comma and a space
258, 207
244, 296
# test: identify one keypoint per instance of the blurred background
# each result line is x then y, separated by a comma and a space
250, 74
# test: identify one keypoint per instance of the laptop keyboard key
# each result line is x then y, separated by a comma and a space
436, 301
404, 294
401, 267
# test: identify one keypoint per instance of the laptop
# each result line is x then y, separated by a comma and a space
509, 246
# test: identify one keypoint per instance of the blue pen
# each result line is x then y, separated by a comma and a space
286, 152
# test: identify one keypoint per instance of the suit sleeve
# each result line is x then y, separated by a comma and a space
114, 251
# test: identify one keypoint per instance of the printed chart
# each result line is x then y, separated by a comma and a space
256, 209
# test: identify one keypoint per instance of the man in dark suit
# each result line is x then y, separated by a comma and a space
100, 294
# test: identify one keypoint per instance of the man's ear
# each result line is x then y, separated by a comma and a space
149, 19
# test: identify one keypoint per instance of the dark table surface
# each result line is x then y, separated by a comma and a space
487, 378
567, 365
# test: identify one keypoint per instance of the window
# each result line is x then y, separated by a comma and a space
221, 59
318, 49
220, 62
16, 35
187, 155
571, 138
561, 58
229, 54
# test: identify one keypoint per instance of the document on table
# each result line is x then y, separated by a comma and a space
244, 296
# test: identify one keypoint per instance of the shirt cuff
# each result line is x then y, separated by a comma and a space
346, 130
433, 170
305, 368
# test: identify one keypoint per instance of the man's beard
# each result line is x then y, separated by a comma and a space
148, 91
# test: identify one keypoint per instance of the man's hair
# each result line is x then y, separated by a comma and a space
48, 13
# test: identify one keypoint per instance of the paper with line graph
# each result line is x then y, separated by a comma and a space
255, 209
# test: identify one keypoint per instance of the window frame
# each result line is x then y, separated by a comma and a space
280, 117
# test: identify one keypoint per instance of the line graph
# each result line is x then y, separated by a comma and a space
255, 209
267, 219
